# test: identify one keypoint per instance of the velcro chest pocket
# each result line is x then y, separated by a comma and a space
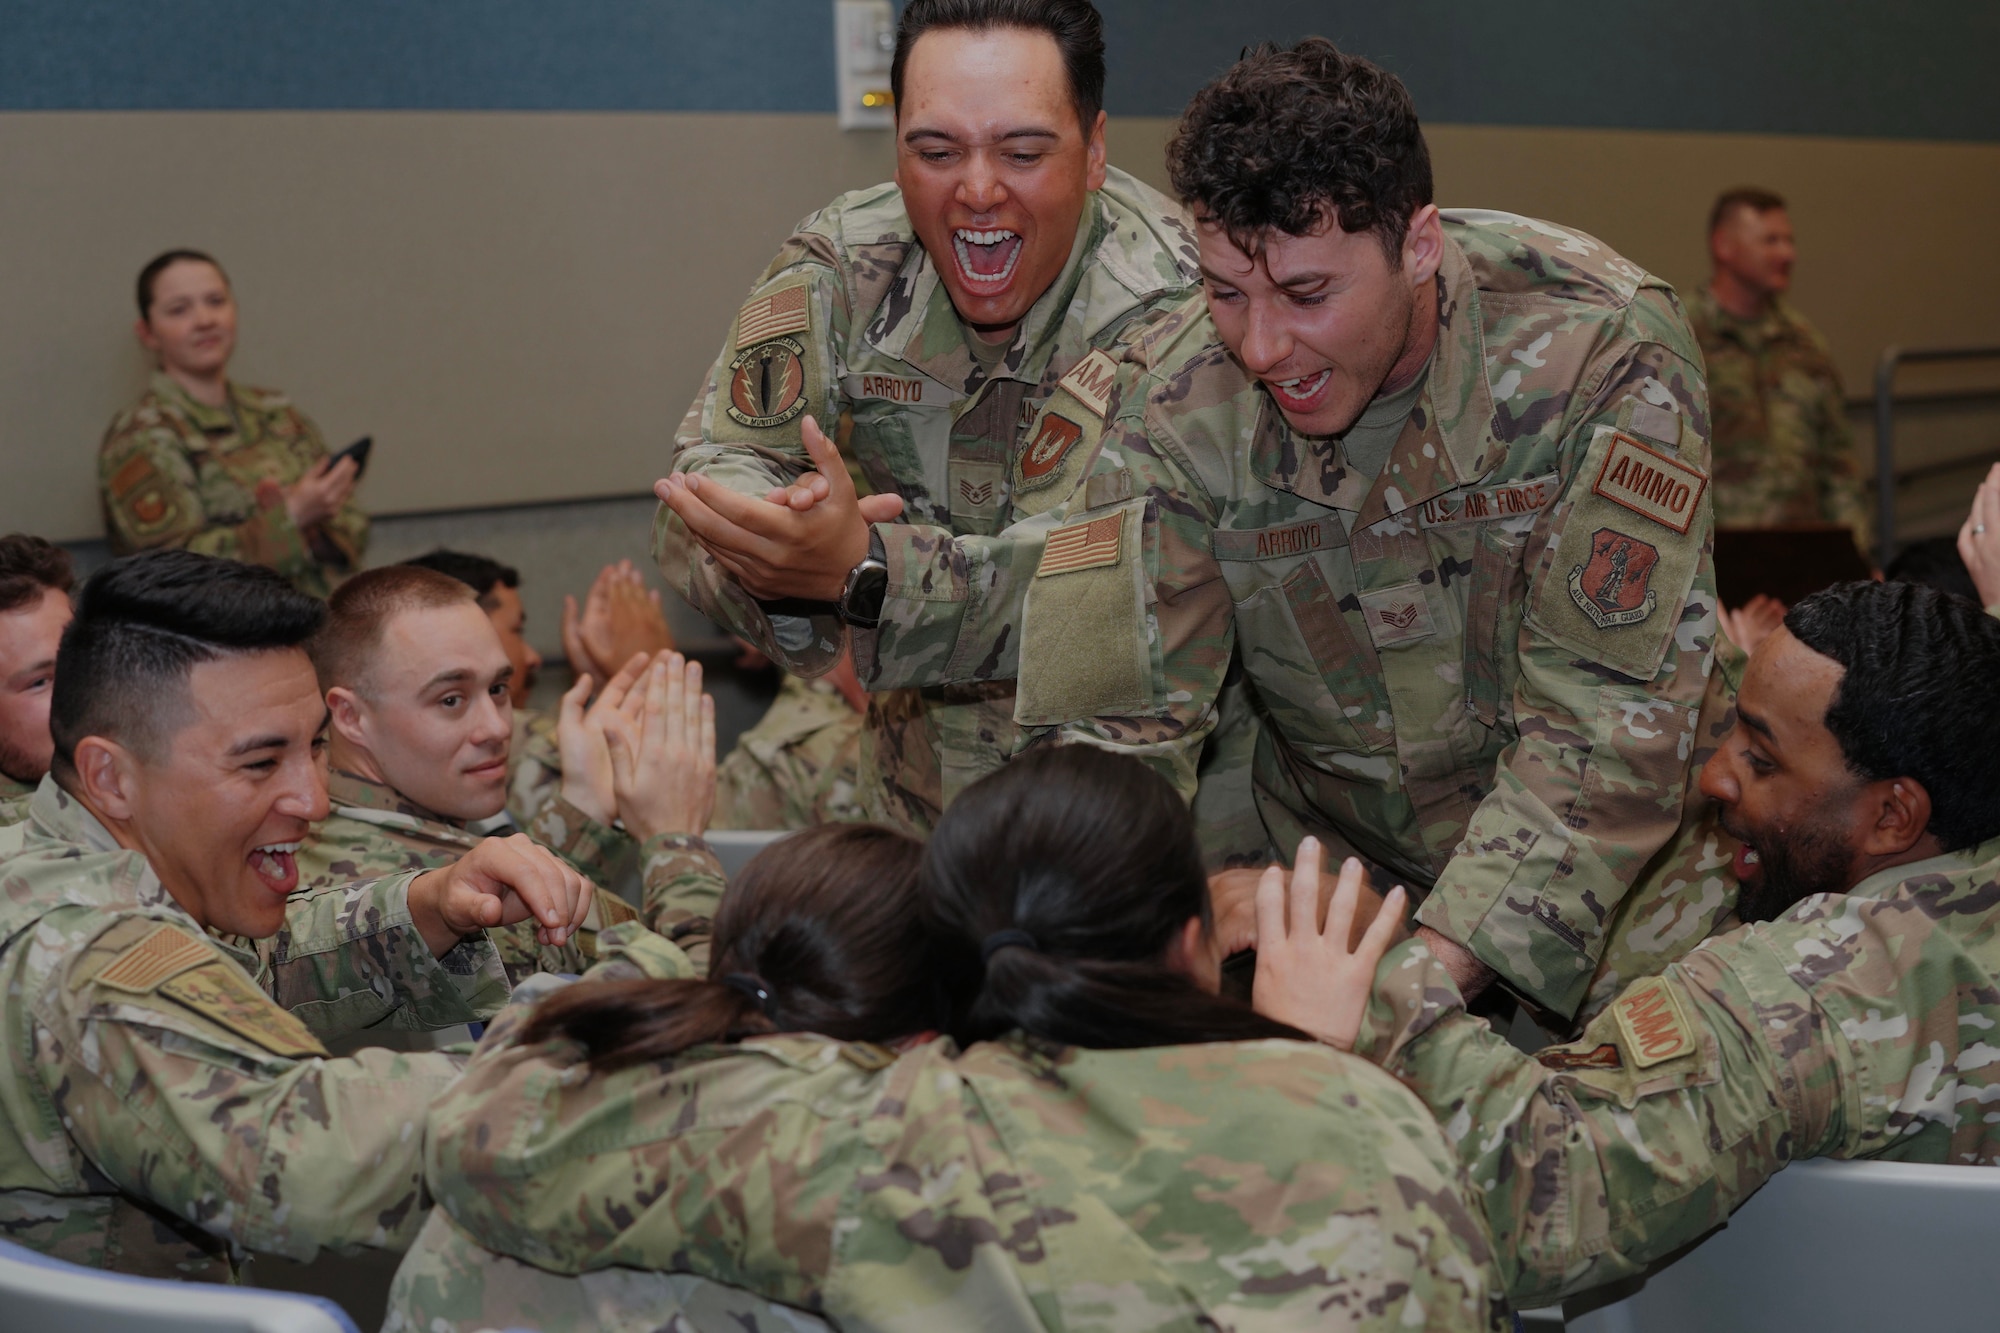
1089, 643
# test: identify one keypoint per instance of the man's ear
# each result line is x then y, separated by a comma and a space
1093, 144
1423, 246
108, 775
348, 715
1902, 810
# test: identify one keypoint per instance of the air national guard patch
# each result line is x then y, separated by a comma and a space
1646, 482
1650, 1020
1610, 588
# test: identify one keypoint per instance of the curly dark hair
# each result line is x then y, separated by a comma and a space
28, 566
1916, 697
1287, 133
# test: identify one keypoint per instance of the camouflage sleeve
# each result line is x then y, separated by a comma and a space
340, 541
151, 499
683, 885
350, 957
185, 1086
1615, 636
577, 838
781, 361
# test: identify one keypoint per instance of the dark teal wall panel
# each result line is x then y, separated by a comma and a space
1910, 69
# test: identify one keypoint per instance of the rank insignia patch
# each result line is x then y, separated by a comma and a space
1650, 483
767, 383
1610, 588
1050, 446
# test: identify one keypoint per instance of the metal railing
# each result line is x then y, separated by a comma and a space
1886, 475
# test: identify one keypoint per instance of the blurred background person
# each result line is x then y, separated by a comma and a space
215, 466
35, 580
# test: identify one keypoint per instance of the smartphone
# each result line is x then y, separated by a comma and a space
358, 451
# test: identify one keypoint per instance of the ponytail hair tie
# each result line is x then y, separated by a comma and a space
1006, 939
753, 987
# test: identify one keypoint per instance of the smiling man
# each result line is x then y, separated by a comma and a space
165, 1100
35, 580
964, 317
417, 686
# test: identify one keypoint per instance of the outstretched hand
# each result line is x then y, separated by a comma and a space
500, 881
1307, 974
795, 541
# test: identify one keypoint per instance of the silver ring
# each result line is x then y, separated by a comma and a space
1979, 529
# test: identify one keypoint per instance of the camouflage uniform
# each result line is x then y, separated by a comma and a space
852, 317
1262, 1184
1856, 1026
797, 766
1783, 453
375, 830
14, 798
1479, 669
174, 472
165, 1101
534, 766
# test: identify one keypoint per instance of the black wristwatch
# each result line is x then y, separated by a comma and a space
860, 603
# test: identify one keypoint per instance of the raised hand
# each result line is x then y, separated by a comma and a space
499, 882
1979, 539
580, 739
1316, 977
319, 494
663, 760
799, 546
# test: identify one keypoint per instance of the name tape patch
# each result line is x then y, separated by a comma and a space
1082, 546
1490, 502
1650, 483
1089, 381
891, 388
1654, 1028
1276, 543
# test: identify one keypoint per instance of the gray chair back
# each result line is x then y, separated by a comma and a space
50, 1296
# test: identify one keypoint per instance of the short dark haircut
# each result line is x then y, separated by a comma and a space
1074, 24
361, 608
1089, 859
143, 624
476, 572
30, 566
1934, 563
1743, 196
1289, 132
826, 923
1917, 699
149, 276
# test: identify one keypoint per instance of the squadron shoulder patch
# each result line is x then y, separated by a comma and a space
1610, 587
133, 472
1651, 1021
767, 383
152, 959
1650, 483
219, 992
1089, 381
1082, 546
1050, 446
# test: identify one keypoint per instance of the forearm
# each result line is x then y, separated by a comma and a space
352, 956
683, 884
577, 838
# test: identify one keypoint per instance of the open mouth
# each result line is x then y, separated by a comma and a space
1747, 864
986, 258
276, 863
1301, 393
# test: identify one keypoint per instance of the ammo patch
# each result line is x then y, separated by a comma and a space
773, 314
1277, 543
1490, 502
1653, 1026
1082, 546
160, 954
1648, 482
219, 992
1090, 380
1052, 443
1610, 587
767, 383
1397, 615
1601, 1057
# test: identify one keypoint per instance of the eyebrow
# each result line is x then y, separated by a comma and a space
1755, 723
1029, 132
276, 742
450, 676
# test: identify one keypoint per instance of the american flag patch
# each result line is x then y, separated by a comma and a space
769, 316
1085, 546
163, 953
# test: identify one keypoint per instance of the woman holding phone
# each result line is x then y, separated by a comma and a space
216, 466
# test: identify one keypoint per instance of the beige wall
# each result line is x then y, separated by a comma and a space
520, 306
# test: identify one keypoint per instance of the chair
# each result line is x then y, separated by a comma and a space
50, 1296
735, 847
1832, 1247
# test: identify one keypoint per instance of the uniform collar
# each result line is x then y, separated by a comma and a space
1983, 860
208, 420
10, 789
1750, 333
934, 340
57, 816
1447, 442
381, 803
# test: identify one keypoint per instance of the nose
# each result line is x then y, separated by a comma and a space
979, 186
1266, 342
534, 662
1719, 782
495, 720
304, 796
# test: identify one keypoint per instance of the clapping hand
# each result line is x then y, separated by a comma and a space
1314, 976
663, 752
